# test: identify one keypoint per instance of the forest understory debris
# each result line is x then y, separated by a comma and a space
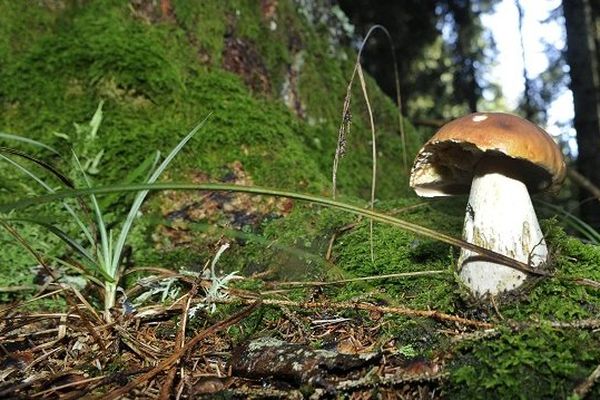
146, 353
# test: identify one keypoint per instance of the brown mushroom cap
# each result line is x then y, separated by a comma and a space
446, 163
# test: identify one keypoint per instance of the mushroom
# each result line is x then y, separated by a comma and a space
500, 158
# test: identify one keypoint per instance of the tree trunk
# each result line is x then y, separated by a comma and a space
526, 103
582, 55
466, 86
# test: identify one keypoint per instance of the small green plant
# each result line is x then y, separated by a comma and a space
104, 252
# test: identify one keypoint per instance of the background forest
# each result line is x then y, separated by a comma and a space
142, 257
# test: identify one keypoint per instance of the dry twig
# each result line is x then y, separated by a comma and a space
409, 312
584, 387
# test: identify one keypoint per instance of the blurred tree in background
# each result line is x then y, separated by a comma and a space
445, 54
582, 20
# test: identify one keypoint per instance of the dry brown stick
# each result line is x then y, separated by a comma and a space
106, 380
168, 362
368, 307
363, 278
587, 282
68, 385
584, 182
584, 387
165, 390
579, 324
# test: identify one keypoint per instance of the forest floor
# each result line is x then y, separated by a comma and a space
146, 355
307, 301
261, 338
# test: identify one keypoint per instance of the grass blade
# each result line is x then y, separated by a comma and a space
574, 222
69, 209
59, 233
27, 140
62, 177
414, 228
141, 196
104, 261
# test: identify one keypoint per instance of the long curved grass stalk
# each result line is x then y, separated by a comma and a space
363, 86
70, 210
414, 228
344, 129
47, 166
346, 122
388, 36
4, 135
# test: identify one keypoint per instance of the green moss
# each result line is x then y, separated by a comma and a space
561, 297
536, 363
398, 251
155, 90
205, 23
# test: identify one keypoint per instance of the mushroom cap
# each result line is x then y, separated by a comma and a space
445, 165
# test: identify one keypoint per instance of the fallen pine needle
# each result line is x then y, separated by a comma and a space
364, 278
168, 362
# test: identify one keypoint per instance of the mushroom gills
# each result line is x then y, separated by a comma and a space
499, 217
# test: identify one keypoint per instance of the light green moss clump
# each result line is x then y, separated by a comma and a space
536, 363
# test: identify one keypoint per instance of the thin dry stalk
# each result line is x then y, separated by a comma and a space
86, 322
165, 390
580, 324
347, 120
87, 305
43, 357
347, 115
334, 236
364, 278
363, 86
68, 385
405, 311
587, 282
584, 387
14, 307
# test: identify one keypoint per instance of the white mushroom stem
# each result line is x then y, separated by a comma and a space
499, 217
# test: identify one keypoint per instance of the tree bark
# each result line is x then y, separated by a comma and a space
465, 80
582, 56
